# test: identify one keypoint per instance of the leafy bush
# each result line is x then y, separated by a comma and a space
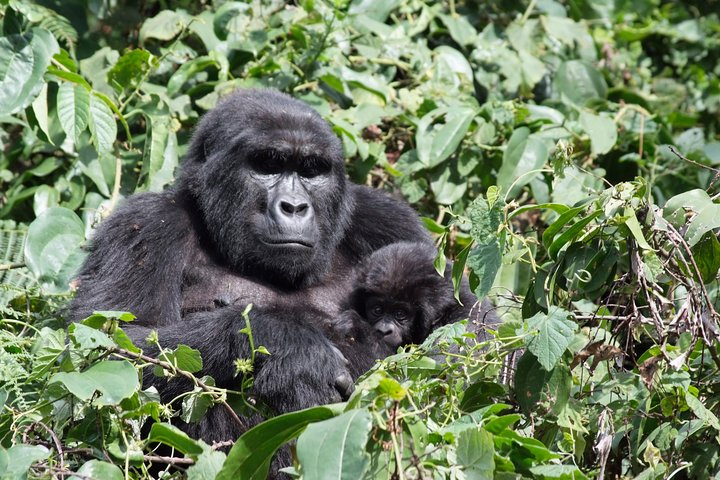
564, 152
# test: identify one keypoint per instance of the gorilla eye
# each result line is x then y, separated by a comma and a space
400, 315
376, 310
267, 162
310, 167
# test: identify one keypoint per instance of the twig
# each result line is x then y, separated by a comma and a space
171, 368
11, 266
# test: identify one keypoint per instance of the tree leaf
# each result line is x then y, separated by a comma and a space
163, 26
250, 457
578, 82
523, 154
706, 214
23, 61
52, 248
475, 453
73, 109
602, 131
160, 157
102, 124
207, 466
16, 460
174, 437
114, 380
554, 333
335, 449
98, 469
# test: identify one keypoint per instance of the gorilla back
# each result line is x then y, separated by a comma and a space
263, 214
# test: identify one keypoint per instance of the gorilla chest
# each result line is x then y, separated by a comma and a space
206, 287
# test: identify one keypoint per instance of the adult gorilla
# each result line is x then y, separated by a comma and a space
262, 213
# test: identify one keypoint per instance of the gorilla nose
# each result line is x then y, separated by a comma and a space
290, 209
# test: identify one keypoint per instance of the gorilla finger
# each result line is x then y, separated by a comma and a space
344, 384
340, 356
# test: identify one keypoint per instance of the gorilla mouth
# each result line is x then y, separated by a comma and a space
289, 242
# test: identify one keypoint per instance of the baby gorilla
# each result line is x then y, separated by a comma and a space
398, 298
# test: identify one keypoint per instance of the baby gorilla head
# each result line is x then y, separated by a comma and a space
399, 292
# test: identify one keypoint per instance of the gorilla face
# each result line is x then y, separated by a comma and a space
268, 176
397, 322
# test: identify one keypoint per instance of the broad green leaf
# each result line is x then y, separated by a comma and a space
16, 460
602, 131
335, 449
707, 257
160, 156
554, 333
560, 472
250, 457
571, 233
114, 380
703, 214
579, 82
447, 138
475, 453
98, 469
129, 70
484, 261
207, 466
701, 411
447, 184
23, 61
89, 338
523, 154
174, 437
102, 124
73, 109
195, 405
52, 247
485, 258
555, 227
164, 26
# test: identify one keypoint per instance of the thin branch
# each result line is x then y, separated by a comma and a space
11, 266
171, 368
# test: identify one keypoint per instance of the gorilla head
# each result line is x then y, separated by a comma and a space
401, 295
285, 167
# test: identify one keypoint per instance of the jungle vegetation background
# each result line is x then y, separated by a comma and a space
565, 151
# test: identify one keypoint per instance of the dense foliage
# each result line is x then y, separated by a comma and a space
565, 152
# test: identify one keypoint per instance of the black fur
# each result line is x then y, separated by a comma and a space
263, 214
411, 298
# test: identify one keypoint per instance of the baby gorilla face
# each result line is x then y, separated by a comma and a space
394, 320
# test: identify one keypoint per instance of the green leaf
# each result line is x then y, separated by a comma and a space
579, 82
475, 453
701, 411
52, 248
554, 333
335, 449
571, 233
523, 155
89, 338
16, 460
707, 257
160, 157
102, 124
174, 437
697, 206
250, 457
207, 466
98, 469
602, 131
129, 70
164, 26
73, 109
184, 358
485, 258
114, 380
560, 472
23, 61
195, 405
